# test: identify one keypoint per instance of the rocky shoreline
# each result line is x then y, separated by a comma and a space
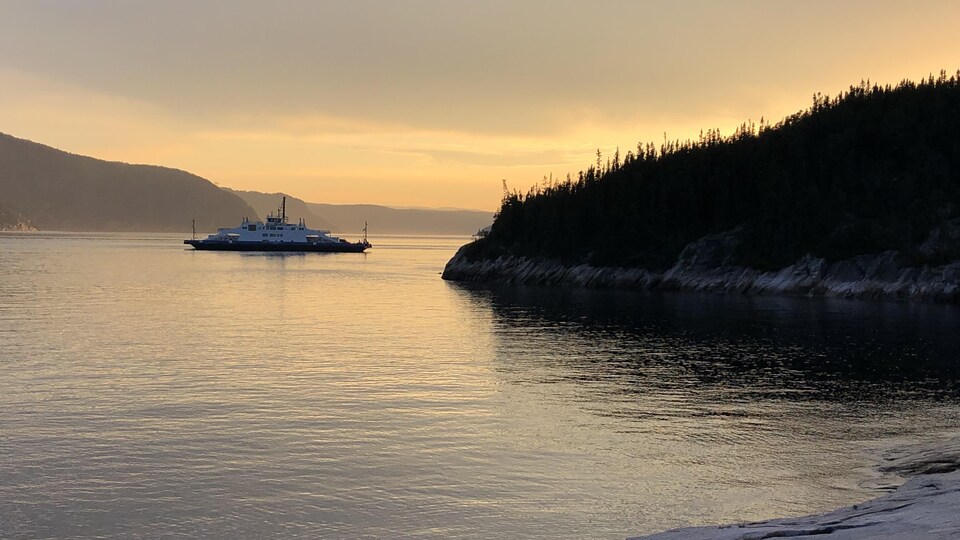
923, 507
705, 265
18, 227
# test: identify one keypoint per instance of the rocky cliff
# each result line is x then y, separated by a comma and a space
705, 265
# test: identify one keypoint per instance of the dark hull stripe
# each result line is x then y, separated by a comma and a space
340, 247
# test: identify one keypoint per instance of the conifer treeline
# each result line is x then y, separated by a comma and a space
874, 168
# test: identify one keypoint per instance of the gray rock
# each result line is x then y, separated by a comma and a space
951, 273
705, 265
711, 251
943, 240
846, 270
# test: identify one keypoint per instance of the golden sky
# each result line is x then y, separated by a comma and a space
431, 103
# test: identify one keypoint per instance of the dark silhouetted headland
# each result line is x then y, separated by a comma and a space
859, 195
45, 188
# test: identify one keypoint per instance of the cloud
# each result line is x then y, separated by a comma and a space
431, 89
496, 66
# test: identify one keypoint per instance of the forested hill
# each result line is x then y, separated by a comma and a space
50, 189
872, 169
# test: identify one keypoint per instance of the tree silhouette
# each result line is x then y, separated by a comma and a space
871, 169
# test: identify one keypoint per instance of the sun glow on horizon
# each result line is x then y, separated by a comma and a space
432, 110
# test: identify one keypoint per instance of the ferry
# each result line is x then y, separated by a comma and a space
277, 235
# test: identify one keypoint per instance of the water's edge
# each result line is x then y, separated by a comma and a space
923, 507
865, 276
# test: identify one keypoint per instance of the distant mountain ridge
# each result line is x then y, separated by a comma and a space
50, 189
267, 203
387, 220
350, 218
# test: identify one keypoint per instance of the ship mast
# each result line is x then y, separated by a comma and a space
283, 210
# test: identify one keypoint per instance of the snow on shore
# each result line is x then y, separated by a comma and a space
926, 506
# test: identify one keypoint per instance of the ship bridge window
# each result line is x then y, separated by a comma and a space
251, 227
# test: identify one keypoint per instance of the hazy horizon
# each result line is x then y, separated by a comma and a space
431, 104
393, 207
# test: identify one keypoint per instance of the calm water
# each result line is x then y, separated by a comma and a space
149, 390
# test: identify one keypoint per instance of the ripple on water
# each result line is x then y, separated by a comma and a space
149, 390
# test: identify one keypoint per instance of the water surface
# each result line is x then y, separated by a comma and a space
150, 390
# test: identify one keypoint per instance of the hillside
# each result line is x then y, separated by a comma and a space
387, 220
10, 221
349, 218
873, 169
55, 190
861, 186
267, 203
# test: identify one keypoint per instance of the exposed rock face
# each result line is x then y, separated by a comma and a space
20, 226
705, 265
944, 241
9, 221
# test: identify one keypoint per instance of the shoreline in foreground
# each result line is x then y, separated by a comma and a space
925, 506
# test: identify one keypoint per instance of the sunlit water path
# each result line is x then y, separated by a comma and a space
149, 390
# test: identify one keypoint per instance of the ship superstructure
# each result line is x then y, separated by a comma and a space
276, 234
